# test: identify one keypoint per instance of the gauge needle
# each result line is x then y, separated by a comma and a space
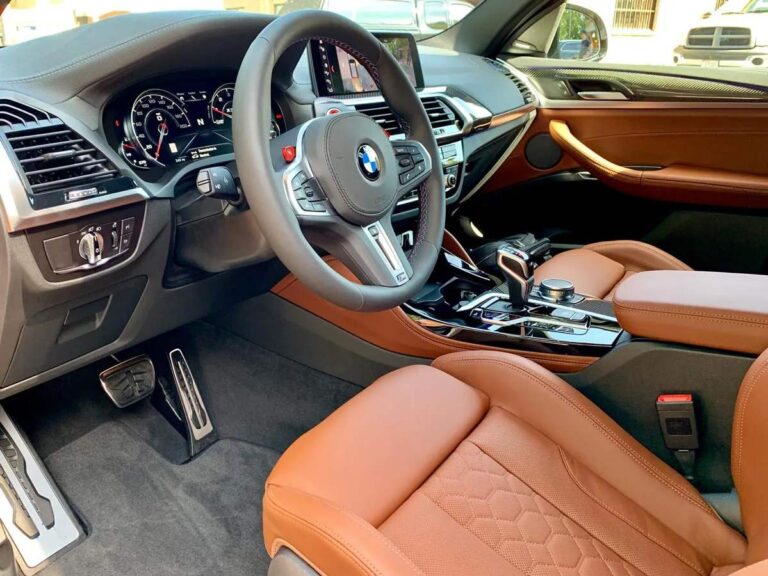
163, 132
222, 113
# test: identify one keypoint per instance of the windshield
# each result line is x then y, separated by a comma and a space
25, 20
744, 7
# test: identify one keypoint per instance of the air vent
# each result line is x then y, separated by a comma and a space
56, 158
15, 116
59, 165
382, 114
522, 87
441, 116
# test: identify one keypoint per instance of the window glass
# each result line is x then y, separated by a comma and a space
27, 19
684, 33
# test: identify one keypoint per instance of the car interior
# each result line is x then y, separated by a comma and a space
289, 295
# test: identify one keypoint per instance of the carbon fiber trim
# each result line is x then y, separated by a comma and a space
644, 86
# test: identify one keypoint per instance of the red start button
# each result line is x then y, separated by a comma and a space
289, 153
333, 112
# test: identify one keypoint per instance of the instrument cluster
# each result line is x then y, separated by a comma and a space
159, 128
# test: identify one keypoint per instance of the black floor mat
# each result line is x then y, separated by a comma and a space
148, 517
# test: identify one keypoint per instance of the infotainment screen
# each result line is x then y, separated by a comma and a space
336, 73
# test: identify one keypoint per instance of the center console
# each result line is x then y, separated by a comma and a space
466, 303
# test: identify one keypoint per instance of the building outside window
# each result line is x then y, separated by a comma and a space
635, 14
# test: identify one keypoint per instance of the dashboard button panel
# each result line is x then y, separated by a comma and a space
86, 245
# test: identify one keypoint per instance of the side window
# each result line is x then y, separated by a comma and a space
692, 33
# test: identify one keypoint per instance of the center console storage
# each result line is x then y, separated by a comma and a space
463, 302
708, 309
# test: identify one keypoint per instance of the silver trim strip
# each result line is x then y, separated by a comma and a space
603, 96
19, 214
503, 158
50, 541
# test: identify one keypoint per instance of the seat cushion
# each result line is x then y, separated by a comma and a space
597, 269
486, 464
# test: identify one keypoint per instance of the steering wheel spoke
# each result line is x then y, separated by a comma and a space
373, 252
414, 164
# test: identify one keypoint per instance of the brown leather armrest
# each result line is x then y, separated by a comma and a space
710, 309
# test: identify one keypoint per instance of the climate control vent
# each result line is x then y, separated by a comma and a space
441, 116
57, 165
522, 87
56, 158
15, 116
382, 114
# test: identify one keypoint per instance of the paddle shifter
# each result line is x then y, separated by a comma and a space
517, 267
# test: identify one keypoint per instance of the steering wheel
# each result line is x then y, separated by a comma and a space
341, 189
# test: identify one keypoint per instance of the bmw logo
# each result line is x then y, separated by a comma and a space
368, 161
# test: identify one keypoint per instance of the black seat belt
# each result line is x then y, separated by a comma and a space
677, 417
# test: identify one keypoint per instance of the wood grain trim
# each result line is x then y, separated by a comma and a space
393, 330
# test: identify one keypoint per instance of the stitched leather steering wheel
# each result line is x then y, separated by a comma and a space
340, 191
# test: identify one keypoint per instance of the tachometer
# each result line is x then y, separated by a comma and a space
133, 155
157, 123
220, 108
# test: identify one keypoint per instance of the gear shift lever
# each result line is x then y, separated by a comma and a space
517, 267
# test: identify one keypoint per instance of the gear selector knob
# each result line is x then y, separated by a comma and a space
517, 267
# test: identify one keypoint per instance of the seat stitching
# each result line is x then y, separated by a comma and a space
356, 519
556, 508
472, 534
596, 424
622, 517
741, 409
669, 311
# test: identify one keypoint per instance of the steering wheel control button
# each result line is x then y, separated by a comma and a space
405, 161
557, 290
369, 162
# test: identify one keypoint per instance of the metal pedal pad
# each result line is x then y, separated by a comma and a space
196, 416
130, 381
35, 516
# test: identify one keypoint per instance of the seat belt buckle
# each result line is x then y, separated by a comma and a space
677, 417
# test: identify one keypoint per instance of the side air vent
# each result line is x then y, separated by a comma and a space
56, 157
58, 164
525, 92
14, 116
441, 116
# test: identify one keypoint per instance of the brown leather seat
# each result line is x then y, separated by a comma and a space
487, 464
597, 269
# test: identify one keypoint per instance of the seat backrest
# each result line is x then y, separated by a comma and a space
749, 457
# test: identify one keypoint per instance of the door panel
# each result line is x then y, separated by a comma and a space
718, 138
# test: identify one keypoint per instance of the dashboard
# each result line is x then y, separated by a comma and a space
161, 125
109, 241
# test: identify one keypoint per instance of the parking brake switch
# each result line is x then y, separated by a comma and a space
677, 417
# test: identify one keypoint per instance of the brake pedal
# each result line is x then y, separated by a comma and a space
196, 417
35, 517
129, 382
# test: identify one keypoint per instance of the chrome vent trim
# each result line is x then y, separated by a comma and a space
440, 113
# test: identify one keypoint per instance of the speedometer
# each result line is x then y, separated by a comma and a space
157, 123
